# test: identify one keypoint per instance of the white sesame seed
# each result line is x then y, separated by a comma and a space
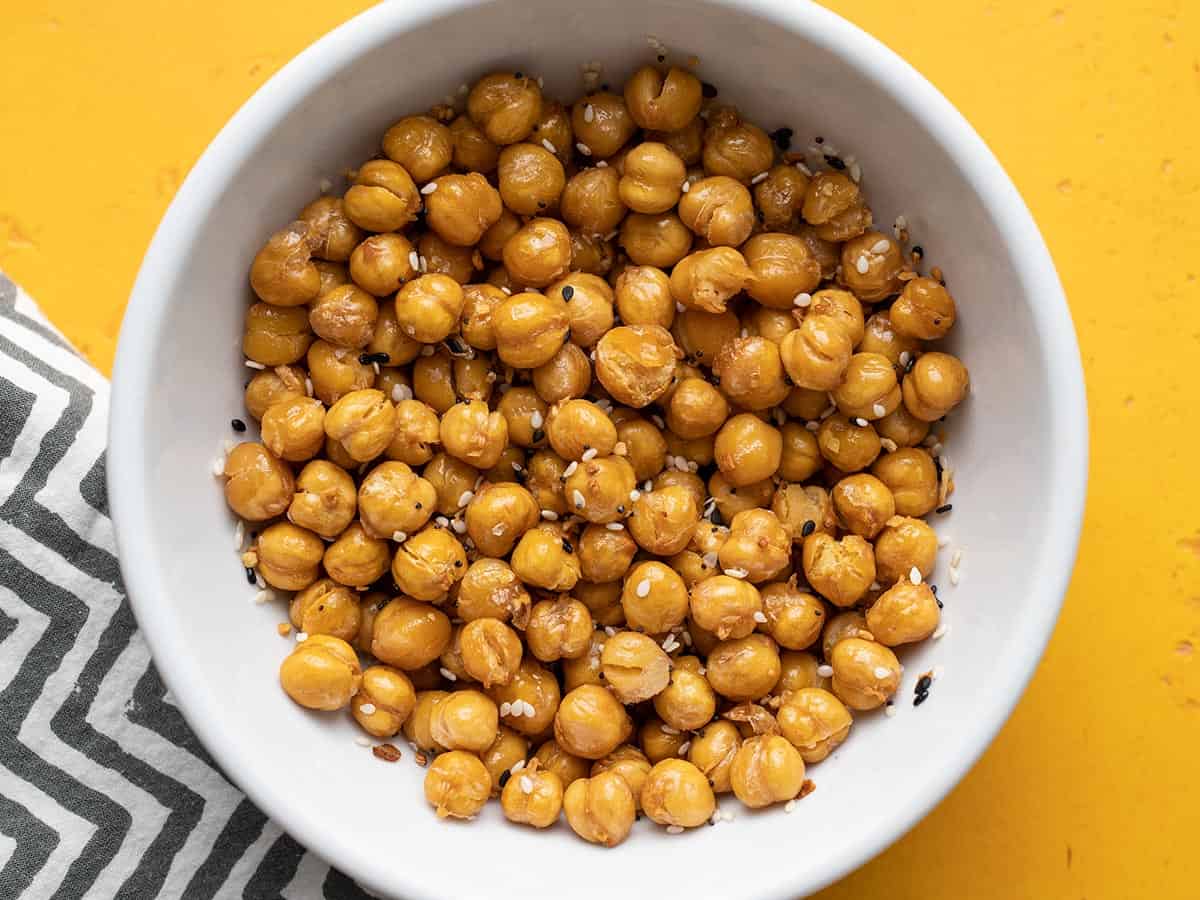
905, 356
710, 559
447, 674
620, 448
399, 391
760, 177
888, 444
643, 588
686, 186
736, 572
258, 580
577, 499
914, 575
875, 585
363, 741
859, 421
825, 671
517, 766
670, 645
812, 426
684, 747
584, 149
674, 829
890, 710
429, 188
263, 597
301, 637
856, 172
648, 486
505, 708
465, 497
549, 515
424, 264
459, 526
882, 671
367, 709
615, 526
441, 520
940, 631
609, 630
658, 421
537, 419
526, 784
954, 576
549, 146
901, 221
878, 410
601, 164
251, 364
375, 366
589, 454
308, 386
760, 617
498, 529
862, 264
530, 712
239, 534
789, 806
589, 113
956, 558
805, 169
881, 246
399, 537
507, 291
570, 469
802, 299
667, 729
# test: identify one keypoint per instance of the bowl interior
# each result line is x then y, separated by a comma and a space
180, 377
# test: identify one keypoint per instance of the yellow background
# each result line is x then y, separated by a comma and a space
1091, 790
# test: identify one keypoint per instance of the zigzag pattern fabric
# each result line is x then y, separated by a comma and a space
104, 791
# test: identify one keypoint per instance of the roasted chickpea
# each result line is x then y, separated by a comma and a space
645, 446
871, 266
416, 727
880, 337
584, 669
332, 274
288, 556
659, 740
603, 601
904, 614
848, 623
545, 479
687, 702
408, 634
393, 498
911, 477
491, 245
748, 449
905, 545
479, 303
440, 257
865, 673
758, 544
473, 433
590, 722
840, 571
937, 383
558, 629
465, 720
463, 207
294, 429
712, 751
863, 504
817, 353
687, 142
530, 328
630, 763
841, 306
707, 279
385, 701
651, 179
663, 520
635, 667
591, 254
805, 403
282, 273
336, 372
417, 427
663, 103
423, 145
363, 422
525, 413
473, 152
591, 201
766, 769
602, 124
498, 515
506, 751
796, 505
276, 335
331, 234
344, 316
531, 179
677, 793
794, 617
505, 107
398, 348
490, 589
272, 386
643, 296
701, 335
322, 672
428, 563
534, 797
428, 308
780, 197
869, 389
604, 555
655, 239
782, 268
546, 559
849, 446
801, 457
451, 478
577, 426
924, 310
728, 607
696, 409
830, 198
736, 148
636, 363
326, 608
751, 372
589, 306
259, 486
599, 489
675, 478
719, 210
799, 671
457, 785
567, 375
772, 324
537, 255
568, 767
600, 809
743, 668
382, 198
355, 558
654, 598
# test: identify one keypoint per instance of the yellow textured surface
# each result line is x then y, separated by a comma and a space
1092, 789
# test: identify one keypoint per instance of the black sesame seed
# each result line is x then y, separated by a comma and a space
908, 366
456, 346
541, 204
367, 358
458, 564
662, 58
417, 505
238, 425
321, 608
504, 776
918, 250
604, 87
620, 509
944, 509
920, 698
250, 577
933, 589
809, 527
716, 518
538, 435
567, 548
937, 464
568, 292
708, 90
834, 162
782, 138
940, 604
733, 492
518, 74
819, 139
923, 684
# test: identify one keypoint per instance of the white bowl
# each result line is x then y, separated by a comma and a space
1019, 444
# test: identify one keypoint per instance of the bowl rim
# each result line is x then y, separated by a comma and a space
145, 318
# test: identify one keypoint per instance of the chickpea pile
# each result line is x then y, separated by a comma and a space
596, 446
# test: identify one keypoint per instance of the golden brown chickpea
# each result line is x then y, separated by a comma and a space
544, 481
903, 545
796, 505
337, 455
663, 520
707, 279
567, 375
408, 634
663, 103
369, 608
471, 376
654, 598
701, 335
767, 769
326, 608
817, 353
522, 408
863, 504
599, 489
655, 239
799, 671
322, 672
591, 255
904, 614
630, 763
332, 236
712, 751
533, 797
559, 629
530, 328
393, 498
728, 607
737, 149
332, 274
490, 589
880, 337
645, 446
912, 478
782, 267
450, 478
282, 273
751, 372
589, 306
440, 257
590, 722
643, 296
531, 179
344, 316
744, 668
498, 515
457, 785
491, 245
828, 196
677, 793
462, 208
474, 434
659, 740
506, 751
805, 403
451, 660
849, 623
871, 266
801, 457
591, 201
473, 152
602, 124
259, 485
748, 449
675, 478
433, 381
600, 809
423, 145
636, 363
688, 702
772, 324
651, 179
363, 422
849, 446
568, 767
294, 429
356, 559
505, 107
758, 544
687, 142
428, 308
554, 125
924, 310
842, 306
417, 428
546, 559
577, 426
479, 303
937, 383
719, 210
416, 727
428, 563
604, 555
865, 673
336, 372
288, 556
840, 571
382, 198
385, 701
635, 667
696, 409
826, 253
780, 197
537, 255
399, 349
465, 720
275, 335
794, 617
272, 386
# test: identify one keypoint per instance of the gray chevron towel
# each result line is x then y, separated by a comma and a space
104, 791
